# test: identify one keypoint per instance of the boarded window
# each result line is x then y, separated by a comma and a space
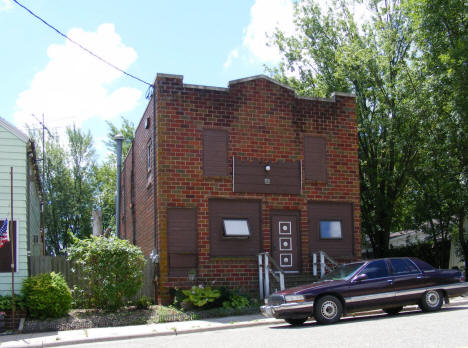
248, 211
315, 158
182, 240
5, 251
215, 152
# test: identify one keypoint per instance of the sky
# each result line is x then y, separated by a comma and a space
209, 42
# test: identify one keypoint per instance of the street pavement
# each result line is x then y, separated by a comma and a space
157, 332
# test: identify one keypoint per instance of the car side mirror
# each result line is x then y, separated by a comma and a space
360, 277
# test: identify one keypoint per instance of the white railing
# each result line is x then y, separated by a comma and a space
320, 258
265, 269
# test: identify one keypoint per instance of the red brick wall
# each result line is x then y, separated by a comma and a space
265, 121
139, 195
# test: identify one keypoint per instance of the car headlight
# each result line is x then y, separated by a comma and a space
294, 298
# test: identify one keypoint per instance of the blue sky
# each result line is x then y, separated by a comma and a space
208, 41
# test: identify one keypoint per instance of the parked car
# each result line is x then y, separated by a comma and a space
387, 284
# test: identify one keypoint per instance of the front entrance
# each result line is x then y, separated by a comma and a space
285, 241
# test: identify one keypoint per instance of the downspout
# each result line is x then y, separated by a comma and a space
155, 202
118, 139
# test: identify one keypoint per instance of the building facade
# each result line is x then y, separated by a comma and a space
217, 175
17, 151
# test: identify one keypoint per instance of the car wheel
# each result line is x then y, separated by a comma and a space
328, 310
431, 301
295, 321
393, 310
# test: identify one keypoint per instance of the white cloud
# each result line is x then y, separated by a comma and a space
231, 56
265, 17
74, 86
5, 5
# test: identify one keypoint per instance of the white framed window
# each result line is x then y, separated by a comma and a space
330, 229
236, 228
148, 155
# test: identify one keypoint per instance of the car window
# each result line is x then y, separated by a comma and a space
402, 266
376, 269
411, 266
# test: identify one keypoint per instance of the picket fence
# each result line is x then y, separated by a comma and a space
59, 264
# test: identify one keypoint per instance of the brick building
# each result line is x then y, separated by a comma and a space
217, 175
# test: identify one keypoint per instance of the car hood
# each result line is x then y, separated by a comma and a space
305, 289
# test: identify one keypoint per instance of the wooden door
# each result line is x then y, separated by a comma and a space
285, 238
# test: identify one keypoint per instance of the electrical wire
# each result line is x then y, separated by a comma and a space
82, 47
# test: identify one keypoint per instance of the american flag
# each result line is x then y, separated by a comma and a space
4, 237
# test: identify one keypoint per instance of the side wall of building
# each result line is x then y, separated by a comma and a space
13, 153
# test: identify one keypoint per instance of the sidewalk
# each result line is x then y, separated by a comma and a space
60, 338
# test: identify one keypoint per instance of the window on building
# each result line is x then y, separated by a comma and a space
215, 152
315, 158
330, 229
36, 239
148, 155
236, 228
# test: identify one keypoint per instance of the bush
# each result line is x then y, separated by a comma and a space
47, 295
5, 303
237, 302
199, 296
111, 270
144, 302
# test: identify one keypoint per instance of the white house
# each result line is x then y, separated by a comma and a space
17, 151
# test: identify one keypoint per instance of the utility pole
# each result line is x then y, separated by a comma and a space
43, 159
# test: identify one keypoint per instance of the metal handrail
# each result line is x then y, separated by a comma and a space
264, 271
323, 264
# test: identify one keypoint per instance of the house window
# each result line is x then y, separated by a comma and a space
330, 229
215, 152
236, 228
315, 158
36, 239
148, 155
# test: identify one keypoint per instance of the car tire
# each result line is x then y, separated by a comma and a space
295, 321
431, 301
393, 310
328, 310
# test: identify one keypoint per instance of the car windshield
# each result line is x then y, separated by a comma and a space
343, 272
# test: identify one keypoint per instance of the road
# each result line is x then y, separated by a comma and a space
447, 328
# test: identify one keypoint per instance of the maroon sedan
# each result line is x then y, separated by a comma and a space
387, 284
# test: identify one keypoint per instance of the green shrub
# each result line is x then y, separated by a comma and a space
236, 302
47, 295
111, 270
5, 303
144, 302
199, 296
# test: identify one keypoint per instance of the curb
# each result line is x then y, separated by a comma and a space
174, 331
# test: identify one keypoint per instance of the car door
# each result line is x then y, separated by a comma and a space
408, 281
371, 287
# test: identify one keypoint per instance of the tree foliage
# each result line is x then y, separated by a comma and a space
331, 52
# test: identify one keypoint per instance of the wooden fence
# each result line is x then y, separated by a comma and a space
59, 264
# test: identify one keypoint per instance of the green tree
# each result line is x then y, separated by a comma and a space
441, 29
331, 52
105, 174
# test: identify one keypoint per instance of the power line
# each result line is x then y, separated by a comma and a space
82, 47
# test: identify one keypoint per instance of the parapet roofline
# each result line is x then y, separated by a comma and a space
251, 78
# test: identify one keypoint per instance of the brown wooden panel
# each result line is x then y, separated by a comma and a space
5, 251
331, 211
315, 158
220, 209
182, 244
215, 152
284, 177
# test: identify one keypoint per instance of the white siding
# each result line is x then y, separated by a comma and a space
13, 153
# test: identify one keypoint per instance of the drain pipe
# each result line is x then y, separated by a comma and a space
118, 139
